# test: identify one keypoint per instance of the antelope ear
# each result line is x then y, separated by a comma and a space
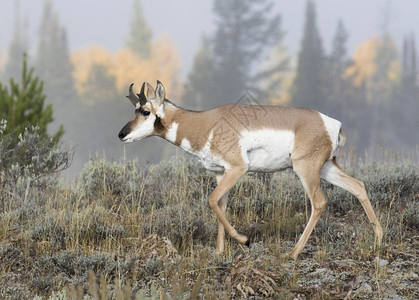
160, 93
150, 92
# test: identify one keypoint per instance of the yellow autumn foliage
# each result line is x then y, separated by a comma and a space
394, 71
286, 78
284, 97
364, 62
84, 60
127, 67
376, 67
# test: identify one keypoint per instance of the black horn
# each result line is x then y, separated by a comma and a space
131, 96
141, 96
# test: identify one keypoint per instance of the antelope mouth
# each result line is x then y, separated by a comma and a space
126, 140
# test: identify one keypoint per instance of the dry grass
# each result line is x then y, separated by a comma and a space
124, 232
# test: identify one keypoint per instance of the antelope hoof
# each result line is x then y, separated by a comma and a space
247, 243
292, 256
242, 239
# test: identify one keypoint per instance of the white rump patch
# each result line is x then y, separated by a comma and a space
267, 150
333, 128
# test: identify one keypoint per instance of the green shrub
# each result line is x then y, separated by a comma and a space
386, 181
64, 268
411, 215
93, 225
99, 178
183, 224
27, 160
12, 257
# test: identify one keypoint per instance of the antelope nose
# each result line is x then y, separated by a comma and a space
121, 135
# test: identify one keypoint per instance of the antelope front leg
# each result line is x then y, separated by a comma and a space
225, 182
222, 203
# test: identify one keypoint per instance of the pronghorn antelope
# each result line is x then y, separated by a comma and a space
233, 139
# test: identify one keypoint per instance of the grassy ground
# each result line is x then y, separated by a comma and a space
124, 232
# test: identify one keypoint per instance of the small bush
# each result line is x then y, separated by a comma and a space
386, 182
12, 257
183, 224
99, 178
27, 160
411, 215
92, 226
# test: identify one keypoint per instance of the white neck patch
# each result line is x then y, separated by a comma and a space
172, 132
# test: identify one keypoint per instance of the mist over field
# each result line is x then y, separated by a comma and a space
84, 216
355, 61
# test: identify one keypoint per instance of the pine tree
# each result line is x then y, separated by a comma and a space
18, 47
200, 81
382, 90
409, 71
24, 104
226, 66
52, 59
345, 101
52, 63
405, 105
336, 85
140, 34
245, 31
100, 86
309, 82
338, 57
101, 97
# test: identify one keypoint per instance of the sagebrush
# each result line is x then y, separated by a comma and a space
148, 232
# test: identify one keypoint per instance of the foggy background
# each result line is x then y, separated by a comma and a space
356, 62
97, 22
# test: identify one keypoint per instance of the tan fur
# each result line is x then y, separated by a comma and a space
227, 120
312, 157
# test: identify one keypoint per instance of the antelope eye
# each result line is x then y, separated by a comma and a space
145, 112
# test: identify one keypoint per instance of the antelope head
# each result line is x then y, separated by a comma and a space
149, 109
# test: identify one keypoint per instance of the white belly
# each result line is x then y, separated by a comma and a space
267, 150
205, 156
